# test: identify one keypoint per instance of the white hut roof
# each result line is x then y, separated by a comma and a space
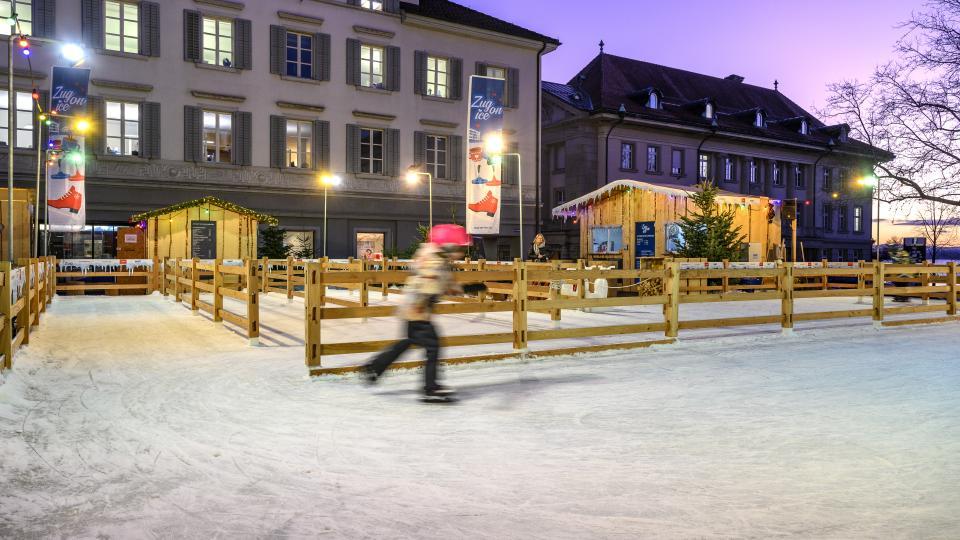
570, 207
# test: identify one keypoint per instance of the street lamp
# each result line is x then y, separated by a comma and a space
413, 176
327, 181
873, 182
493, 146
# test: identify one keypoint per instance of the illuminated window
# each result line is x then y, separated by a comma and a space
703, 166
218, 42
375, 5
729, 170
777, 177
437, 73
857, 219
496, 72
437, 156
24, 15
121, 26
708, 111
218, 137
754, 178
371, 66
758, 120
299, 144
23, 119
123, 128
627, 159
653, 159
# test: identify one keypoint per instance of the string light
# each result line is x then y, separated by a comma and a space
209, 201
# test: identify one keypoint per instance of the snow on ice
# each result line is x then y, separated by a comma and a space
126, 417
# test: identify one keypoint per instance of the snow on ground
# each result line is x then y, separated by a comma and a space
128, 417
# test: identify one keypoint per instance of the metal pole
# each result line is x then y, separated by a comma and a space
523, 247
36, 208
11, 133
430, 185
324, 221
793, 225
878, 219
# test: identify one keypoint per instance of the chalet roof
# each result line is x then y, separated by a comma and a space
445, 10
570, 208
206, 202
610, 80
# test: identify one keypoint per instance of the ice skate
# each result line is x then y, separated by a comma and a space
439, 394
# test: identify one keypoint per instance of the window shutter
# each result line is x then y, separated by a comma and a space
353, 148
44, 14
243, 44
91, 16
321, 57
192, 133
391, 164
511, 166
278, 141
242, 138
150, 130
353, 62
321, 145
353, 2
149, 29
419, 148
393, 69
513, 88
455, 161
191, 36
455, 78
97, 112
278, 49
420, 72
391, 6
481, 69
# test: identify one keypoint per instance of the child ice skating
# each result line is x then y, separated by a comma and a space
432, 278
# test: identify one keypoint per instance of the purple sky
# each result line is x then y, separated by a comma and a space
805, 45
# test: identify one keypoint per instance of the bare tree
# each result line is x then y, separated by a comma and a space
911, 108
938, 224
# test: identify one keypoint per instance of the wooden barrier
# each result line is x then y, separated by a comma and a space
195, 277
25, 292
74, 274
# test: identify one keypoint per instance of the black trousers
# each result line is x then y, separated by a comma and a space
420, 333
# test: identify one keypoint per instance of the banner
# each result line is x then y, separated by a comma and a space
66, 195
485, 121
68, 91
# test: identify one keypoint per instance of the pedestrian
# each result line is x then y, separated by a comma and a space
432, 279
538, 249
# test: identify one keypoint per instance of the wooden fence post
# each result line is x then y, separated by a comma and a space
825, 280
313, 304
177, 289
581, 283
481, 266
289, 278
264, 276
42, 265
194, 293
156, 277
322, 284
725, 288
6, 335
24, 317
217, 291
786, 303
878, 285
163, 276
952, 283
671, 288
519, 306
555, 292
364, 286
253, 304
925, 282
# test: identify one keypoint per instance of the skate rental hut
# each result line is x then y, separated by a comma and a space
627, 220
207, 228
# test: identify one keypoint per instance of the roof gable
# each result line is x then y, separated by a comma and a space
445, 10
207, 201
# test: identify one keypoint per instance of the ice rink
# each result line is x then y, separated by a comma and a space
127, 417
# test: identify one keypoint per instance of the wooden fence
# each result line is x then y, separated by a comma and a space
25, 292
187, 279
509, 290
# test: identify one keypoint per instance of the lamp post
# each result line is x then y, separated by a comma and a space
327, 181
493, 147
873, 182
413, 175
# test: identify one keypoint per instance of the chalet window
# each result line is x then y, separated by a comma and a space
676, 162
627, 156
653, 159
123, 128
299, 55
122, 26
858, 219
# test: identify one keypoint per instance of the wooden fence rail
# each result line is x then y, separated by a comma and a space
108, 275
25, 292
787, 283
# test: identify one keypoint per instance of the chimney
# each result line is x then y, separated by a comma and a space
734, 78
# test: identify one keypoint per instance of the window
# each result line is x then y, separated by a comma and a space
758, 120
777, 178
371, 66
827, 179
858, 219
841, 179
559, 197
753, 172
559, 154
703, 167
375, 5
123, 128
496, 72
122, 27
437, 73
23, 119
676, 162
653, 159
437, 156
858, 254
804, 128
729, 169
218, 137
627, 160
217, 42
799, 177
299, 55
828, 217
708, 110
299, 144
842, 218
653, 101
371, 151
24, 14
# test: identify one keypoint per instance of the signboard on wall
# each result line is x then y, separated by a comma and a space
203, 239
484, 175
645, 242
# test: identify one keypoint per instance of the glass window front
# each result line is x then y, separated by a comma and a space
121, 26
371, 151
371, 66
123, 128
653, 159
299, 144
437, 77
627, 160
218, 137
218, 42
299, 55
437, 156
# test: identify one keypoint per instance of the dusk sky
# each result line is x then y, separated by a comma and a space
805, 45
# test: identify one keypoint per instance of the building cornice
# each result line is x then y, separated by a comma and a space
439, 123
343, 4
373, 31
301, 106
469, 31
229, 4
122, 85
202, 94
297, 17
23, 73
374, 116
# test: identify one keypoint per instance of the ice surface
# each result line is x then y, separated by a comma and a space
126, 417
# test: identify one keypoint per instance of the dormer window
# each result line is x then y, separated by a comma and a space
804, 128
758, 120
708, 111
653, 101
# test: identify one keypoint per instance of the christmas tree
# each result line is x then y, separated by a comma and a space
709, 232
271, 243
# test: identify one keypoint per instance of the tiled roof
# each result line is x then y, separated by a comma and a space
448, 11
570, 95
609, 81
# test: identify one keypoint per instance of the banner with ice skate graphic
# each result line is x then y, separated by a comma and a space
66, 196
484, 173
